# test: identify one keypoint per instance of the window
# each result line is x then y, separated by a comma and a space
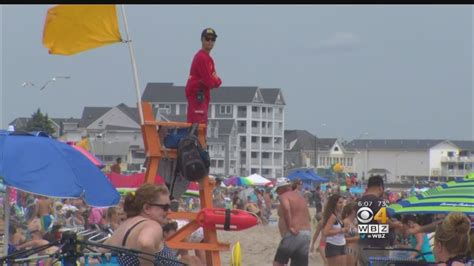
213, 163
265, 155
336, 148
264, 109
450, 154
254, 109
220, 163
164, 109
226, 109
222, 148
254, 124
266, 140
254, 155
254, 139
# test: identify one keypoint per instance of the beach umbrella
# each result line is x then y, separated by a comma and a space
88, 155
237, 181
39, 164
257, 180
452, 196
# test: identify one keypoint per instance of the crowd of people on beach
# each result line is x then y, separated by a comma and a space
444, 239
140, 222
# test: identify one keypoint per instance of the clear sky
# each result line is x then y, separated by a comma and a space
390, 71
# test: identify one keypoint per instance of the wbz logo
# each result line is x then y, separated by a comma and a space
373, 228
365, 216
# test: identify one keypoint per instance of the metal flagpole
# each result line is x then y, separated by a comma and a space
134, 66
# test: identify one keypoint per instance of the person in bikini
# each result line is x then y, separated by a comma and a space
147, 211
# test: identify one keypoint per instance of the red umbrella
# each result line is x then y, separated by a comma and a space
88, 155
136, 180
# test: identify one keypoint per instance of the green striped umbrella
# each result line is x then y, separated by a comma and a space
449, 197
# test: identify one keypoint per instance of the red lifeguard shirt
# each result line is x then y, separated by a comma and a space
203, 77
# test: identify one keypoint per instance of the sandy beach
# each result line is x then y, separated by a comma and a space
258, 245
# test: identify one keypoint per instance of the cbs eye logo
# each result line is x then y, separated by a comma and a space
364, 215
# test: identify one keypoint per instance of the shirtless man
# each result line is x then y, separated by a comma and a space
294, 225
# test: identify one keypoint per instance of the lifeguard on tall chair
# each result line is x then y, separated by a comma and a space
202, 78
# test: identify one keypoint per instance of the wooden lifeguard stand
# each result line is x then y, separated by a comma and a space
154, 152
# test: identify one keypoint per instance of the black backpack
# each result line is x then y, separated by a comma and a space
193, 160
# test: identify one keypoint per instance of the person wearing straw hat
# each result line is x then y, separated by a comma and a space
294, 225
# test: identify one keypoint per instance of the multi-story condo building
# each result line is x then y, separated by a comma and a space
258, 115
411, 160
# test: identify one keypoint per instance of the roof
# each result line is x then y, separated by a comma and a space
168, 93
91, 114
66, 120
326, 143
21, 122
131, 112
225, 125
464, 144
392, 144
304, 139
270, 96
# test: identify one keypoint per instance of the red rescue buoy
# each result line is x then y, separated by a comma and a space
225, 219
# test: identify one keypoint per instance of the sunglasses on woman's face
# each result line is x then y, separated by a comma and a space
165, 207
213, 39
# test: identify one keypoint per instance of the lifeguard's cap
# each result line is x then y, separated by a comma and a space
208, 31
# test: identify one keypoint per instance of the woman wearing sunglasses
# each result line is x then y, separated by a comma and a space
147, 211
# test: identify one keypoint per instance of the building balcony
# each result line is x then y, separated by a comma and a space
278, 147
256, 115
217, 170
278, 132
255, 130
255, 161
267, 162
267, 146
278, 117
454, 172
457, 159
242, 114
216, 155
255, 145
267, 131
267, 116
242, 130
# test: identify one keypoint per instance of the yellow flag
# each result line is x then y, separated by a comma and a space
71, 29
84, 143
